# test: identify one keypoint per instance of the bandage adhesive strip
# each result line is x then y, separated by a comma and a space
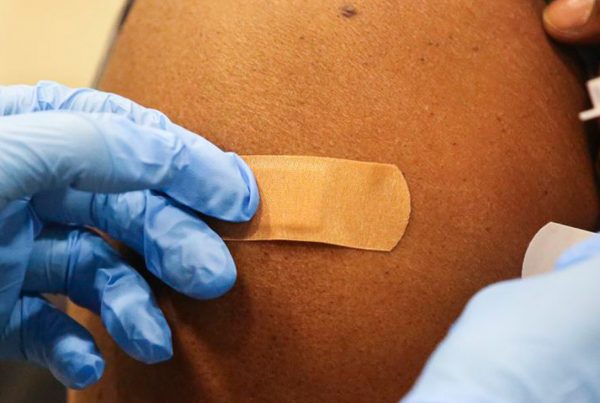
361, 205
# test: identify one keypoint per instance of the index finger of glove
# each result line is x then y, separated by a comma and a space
109, 153
214, 182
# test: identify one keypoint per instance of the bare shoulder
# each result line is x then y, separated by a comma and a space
478, 111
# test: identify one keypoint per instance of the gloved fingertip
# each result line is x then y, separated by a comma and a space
215, 278
155, 353
147, 340
78, 370
131, 315
53, 340
156, 344
252, 199
185, 253
226, 279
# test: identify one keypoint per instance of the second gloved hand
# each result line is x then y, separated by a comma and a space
76, 158
530, 340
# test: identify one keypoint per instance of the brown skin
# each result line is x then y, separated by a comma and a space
479, 112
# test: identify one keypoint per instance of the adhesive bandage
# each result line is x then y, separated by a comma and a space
355, 204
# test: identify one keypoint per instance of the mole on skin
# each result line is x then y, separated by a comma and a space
348, 11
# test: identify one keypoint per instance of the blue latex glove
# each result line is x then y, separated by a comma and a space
530, 340
75, 158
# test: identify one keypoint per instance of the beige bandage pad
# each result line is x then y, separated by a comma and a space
360, 205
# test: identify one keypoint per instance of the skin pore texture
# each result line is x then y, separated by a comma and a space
470, 99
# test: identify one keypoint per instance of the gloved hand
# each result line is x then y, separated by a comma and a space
530, 340
76, 158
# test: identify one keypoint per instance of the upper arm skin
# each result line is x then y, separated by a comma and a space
468, 98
